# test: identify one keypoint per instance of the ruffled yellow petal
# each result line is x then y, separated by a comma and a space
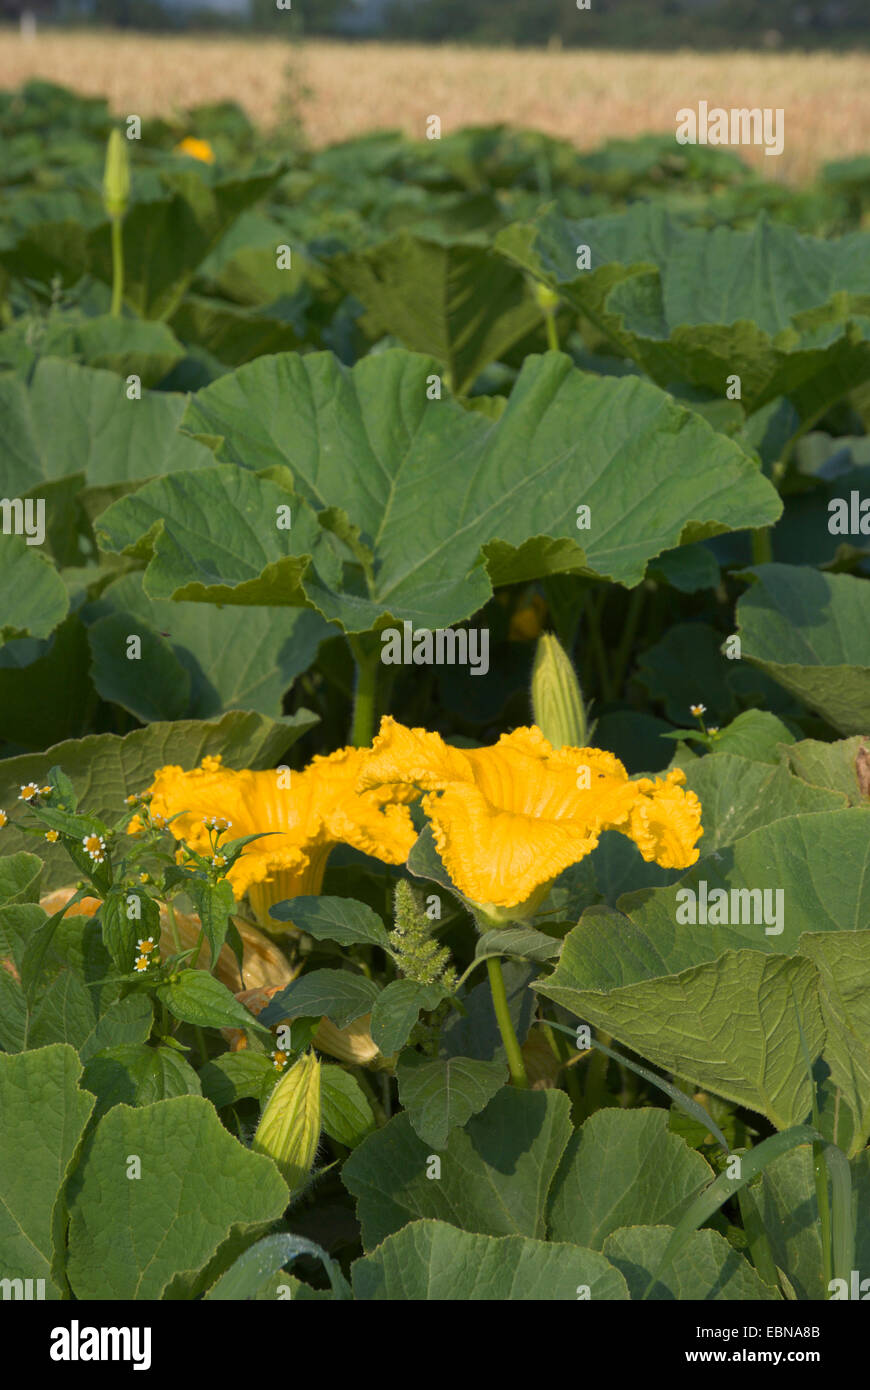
666, 822
499, 858
409, 759
301, 816
509, 818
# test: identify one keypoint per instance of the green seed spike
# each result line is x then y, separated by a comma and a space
557, 701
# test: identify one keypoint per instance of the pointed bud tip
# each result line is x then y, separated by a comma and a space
557, 701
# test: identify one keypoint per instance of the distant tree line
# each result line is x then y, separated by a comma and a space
645, 24
638, 23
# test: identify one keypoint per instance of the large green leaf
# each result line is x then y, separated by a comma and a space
508, 489
35, 599
149, 1236
431, 1260
703, 1000
809, 632
706, 1268
739, 796
44, 1115
105, 768
788, 1206
786, 313
73, 421
843, 962
831, 765
217, 658
623, 1168
133, 1074
458, 302
494, 1175
123, 345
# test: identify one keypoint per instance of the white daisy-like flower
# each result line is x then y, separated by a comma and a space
95, 848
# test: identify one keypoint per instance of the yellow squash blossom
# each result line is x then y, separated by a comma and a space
508, 819
197, 149
310, 812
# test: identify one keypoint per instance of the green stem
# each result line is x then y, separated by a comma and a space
552, 331
365, 696
515, 1061
117, 267
596, 1078
820, 1173
568, 1073
626, 641
762, 547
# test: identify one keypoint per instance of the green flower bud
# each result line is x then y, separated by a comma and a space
116, 179
546, 299
557, 701
289, 1129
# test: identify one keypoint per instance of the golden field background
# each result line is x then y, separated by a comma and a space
344, 89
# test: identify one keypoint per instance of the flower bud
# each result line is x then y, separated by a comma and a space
116, 179
547, 299
289, 1129
557, 701
352, 1044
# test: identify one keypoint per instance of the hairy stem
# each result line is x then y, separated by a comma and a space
515, 1061
117, 267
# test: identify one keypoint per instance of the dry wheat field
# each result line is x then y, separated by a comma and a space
343, 88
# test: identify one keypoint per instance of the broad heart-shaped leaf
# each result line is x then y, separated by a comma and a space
713, 1024
70, 421
707, 1268
739, 796
165, 239
429, 1260
843, 963
691, 998
44, 1115
440, 1093
198, 1190
788, 1206
458, 302
133, 1074
105, 768
213, 659
788, 314
35, 599
127, 346
831, 765
338, 994
623, 1168
494, 1174
508, 489
809, 632
334, 919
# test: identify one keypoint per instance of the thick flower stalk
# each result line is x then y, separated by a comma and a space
510, 818
306, 814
